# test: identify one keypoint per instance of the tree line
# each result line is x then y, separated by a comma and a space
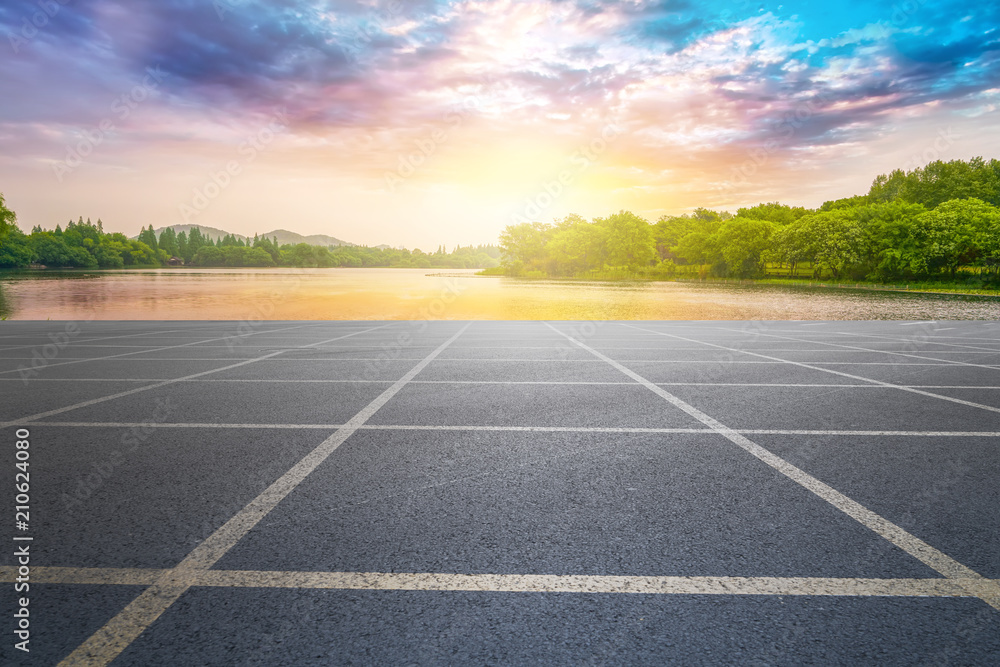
83, 244
940, 221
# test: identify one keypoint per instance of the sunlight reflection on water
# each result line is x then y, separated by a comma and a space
393, 294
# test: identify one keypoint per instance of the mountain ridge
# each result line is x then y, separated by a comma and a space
284, 236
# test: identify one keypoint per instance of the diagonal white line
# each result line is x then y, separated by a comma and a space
880, 383
913, 545
974, 348
49, 413
947, 362
109, 641
153, 349
931, 339
83, 342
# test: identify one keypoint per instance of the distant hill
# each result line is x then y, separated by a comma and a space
210, 232
284, 236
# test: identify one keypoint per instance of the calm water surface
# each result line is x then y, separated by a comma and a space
390, 294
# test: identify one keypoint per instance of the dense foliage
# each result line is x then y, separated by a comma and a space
935, 222
85, 245
80, 245
7, 218
261, 251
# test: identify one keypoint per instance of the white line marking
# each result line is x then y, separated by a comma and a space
41, 415
856, 348
512, 583
887, 385
910, 324
155, 349
82, 342
596, 383
109, 641
530, 429
968, 350
941, 362
978, 349
333, 360
911, 544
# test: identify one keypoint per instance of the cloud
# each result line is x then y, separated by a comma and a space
361, 81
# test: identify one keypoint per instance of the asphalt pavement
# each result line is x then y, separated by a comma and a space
288, 493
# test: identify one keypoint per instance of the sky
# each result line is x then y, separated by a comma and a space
434, 122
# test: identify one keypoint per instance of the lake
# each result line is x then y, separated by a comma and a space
394, 294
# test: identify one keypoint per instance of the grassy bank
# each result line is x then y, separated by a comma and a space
931, 287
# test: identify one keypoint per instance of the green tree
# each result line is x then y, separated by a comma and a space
939, 182
742, 243
16, 251
629, 240
196, 241
209, 256
838, 241
845, 203
887, 187
577, 247
699, 246
522, 246
894, 239
52, 250
108, 256
182, 248
168, 242
258, 257
148, 236
957, 232
8, 219
269, 247
792, 244
773, 212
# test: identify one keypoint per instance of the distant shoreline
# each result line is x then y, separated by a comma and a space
945, 289
136, 269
